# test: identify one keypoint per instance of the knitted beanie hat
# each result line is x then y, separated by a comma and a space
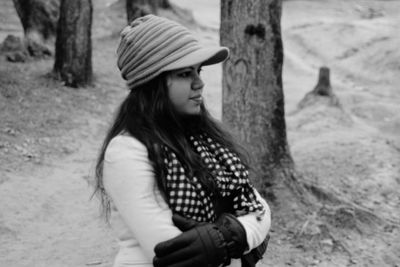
151, 45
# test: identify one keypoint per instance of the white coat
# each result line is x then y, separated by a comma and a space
140, 217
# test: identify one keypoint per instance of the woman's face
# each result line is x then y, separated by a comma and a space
185, 89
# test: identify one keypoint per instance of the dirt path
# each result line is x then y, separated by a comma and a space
51, 221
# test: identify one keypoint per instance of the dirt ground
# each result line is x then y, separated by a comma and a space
50, 136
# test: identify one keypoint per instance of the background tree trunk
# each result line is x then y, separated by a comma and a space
39, 21
164, 4
253, 101
139, 8
73, 63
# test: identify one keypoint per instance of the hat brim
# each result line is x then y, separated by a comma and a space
204, 56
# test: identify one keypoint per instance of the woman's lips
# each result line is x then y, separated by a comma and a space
197, 99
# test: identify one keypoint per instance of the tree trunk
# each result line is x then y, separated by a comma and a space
253, 101
164, 4
39, 21
139, 8
73, 63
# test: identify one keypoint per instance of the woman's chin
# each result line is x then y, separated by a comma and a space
191, 112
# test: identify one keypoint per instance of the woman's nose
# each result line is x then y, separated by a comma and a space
197, 83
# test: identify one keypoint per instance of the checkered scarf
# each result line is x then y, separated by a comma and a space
187, 196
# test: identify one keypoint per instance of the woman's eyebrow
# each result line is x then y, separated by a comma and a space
185, 69
189, 68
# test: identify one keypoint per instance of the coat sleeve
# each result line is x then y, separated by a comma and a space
129, 180
256, 225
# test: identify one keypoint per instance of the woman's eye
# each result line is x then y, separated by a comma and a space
184, 74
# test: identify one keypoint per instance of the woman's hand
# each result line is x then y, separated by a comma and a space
202, 245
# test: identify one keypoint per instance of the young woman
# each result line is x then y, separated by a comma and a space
173, 183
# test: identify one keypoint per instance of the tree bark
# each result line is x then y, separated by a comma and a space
139, 8
39, 21
73, 62
253, 101
164, 4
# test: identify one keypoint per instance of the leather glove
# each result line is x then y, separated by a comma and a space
212, 245
234, 234
232, 230
201, 246
251, 258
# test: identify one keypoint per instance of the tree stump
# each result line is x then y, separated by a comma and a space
323, 86
323, 90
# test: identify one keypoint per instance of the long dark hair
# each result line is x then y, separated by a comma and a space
148, 115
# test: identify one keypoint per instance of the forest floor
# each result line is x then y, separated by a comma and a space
50, 136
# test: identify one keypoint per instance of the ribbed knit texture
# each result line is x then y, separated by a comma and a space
149, 44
